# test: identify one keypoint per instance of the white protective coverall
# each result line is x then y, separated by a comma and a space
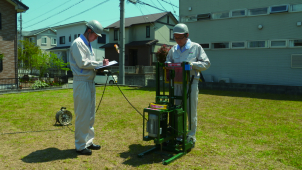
82, 63
193, 53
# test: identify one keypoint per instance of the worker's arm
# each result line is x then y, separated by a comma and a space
169, 58
80, 56
203, 61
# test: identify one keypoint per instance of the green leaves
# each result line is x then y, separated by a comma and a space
32, 57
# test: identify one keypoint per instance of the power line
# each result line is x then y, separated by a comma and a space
80, 13
56, 14
140, 2
169, 3
40, 6
161, 5
48, 11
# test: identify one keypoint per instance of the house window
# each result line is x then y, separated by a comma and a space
43, 40
205, 46
220, 15
258, 11
1, 65
75, 36
79, 35
70, 38
147, 31
168, 19
297, 7
203, 16
0, 21
238, 13
102, 40
295, 43
257, 44
171, 34
31, 39
278, 43
237, 45
191, 18
53, 41
115, 34
221, 45
277, 9
62, 40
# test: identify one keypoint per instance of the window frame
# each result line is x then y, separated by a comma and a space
292, 6
237, 48
213, 46
171, 35
270, 9
52, 40
148, 31
1, 65
248, 44
270, 44
115, 34
205, 48
245, 13
102, 38
290, 44
204, 18
267, 11
63, 38
213, 13
43, 37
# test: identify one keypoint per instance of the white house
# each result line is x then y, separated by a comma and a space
67, 33
45, 38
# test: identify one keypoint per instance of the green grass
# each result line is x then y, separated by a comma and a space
236, 130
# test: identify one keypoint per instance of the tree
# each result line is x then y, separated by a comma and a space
32, 57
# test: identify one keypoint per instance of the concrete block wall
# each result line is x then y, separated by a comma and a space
8, 39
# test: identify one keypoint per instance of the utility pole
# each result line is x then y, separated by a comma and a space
121, 79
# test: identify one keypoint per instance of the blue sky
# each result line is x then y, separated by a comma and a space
49, 13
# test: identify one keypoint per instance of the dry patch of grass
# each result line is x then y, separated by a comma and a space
236, 130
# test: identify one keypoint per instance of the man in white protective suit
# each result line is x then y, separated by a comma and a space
82, 63
191, 52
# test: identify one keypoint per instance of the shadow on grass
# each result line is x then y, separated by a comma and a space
49, 154
245, 94
132, 159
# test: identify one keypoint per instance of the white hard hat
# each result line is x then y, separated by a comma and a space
96, 27
180, 29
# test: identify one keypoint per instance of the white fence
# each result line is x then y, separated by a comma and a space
134, 69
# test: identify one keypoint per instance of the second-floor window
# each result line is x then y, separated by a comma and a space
0, 22
44, 40
115, 34
70, 38
75, 36
53, 41
147, 31
168, 19
62, 40
1, 65
171, 34
102, 40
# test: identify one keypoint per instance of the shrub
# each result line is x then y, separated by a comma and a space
39, 84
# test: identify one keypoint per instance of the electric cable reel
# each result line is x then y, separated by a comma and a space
63, 117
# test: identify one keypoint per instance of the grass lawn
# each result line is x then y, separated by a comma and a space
236, 130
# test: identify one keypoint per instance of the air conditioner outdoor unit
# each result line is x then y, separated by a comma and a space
224, 80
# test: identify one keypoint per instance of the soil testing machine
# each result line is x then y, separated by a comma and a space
167, 123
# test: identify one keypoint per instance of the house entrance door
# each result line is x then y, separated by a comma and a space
133, 56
